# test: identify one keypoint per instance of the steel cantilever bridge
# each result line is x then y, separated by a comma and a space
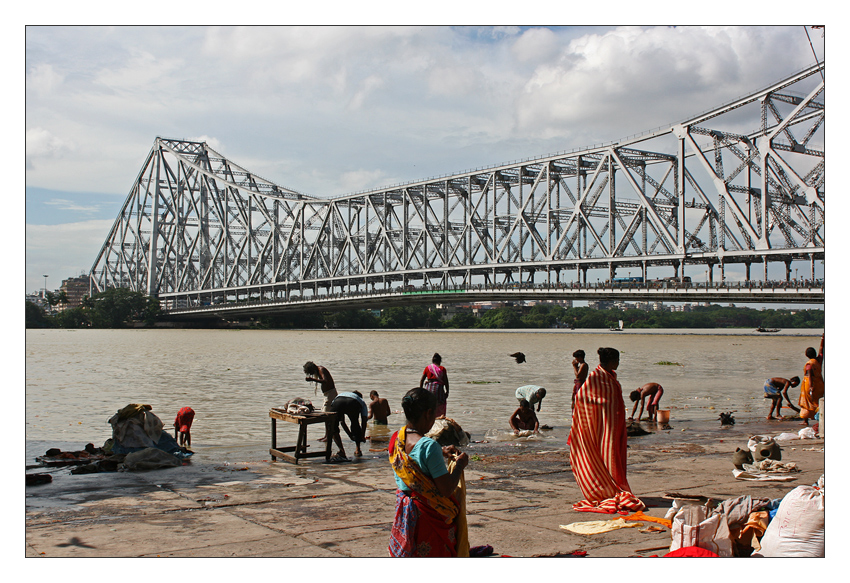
741, 184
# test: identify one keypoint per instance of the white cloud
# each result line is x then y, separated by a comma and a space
632, 79
69, 205
62, 251
360, 179
367, 87
212, 142
536, 44
43, 80
40, 143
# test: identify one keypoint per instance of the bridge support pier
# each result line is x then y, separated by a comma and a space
787, 270
747, 270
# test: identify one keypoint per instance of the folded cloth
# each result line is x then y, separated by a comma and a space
770, 466
599, 526
760, 476
645, 517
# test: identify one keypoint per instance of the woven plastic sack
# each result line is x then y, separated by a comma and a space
693, 526
797, 528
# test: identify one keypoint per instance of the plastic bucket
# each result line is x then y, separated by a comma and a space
663, 416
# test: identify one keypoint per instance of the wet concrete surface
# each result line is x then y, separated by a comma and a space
517, 498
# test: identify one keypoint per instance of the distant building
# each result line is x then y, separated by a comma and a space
75, 289
37, 298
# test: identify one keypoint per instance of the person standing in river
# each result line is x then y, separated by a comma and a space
812, 387
580, 369
319, 374
598, 441
435, 379
650, 393
774, 389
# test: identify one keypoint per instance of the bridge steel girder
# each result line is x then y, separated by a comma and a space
196, 224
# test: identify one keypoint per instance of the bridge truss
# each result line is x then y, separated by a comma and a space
743, 183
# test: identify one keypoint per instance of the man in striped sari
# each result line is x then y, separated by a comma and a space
598, 441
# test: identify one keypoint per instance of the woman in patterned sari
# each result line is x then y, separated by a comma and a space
598, 441
436, 380
430, 514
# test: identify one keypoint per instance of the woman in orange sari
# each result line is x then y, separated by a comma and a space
598, 441
430, 517
812, 387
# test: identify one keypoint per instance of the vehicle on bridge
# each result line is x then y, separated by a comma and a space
626, 281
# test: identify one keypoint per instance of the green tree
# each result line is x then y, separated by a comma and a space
409, 317
72, 318
462, 320
116, 307
35, 317
352, 319
500, 318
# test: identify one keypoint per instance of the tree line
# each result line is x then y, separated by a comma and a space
550, 316
117, 308
113, 308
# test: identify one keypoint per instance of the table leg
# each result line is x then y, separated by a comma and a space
328, 441
301, 447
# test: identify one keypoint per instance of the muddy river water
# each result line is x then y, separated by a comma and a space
77, 379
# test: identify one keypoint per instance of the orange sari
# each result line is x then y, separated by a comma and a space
811, 389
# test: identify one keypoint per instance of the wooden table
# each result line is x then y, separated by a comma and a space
300, 448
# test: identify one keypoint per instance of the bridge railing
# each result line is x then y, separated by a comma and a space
258, 299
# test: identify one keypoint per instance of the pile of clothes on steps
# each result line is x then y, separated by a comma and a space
138, 442
138, 434
792, 526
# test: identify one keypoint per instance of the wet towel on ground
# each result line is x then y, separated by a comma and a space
599, 526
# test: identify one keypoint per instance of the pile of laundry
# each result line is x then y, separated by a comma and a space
792, 526
138, 442
296, 406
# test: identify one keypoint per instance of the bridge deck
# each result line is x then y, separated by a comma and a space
752, 292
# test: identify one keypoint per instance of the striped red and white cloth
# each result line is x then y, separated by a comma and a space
598, 446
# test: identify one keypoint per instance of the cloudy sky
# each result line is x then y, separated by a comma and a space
332, 110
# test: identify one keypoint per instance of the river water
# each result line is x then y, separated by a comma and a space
77, 379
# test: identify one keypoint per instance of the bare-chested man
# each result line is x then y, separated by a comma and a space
524, 418
379, 408
774, 389
580, 369
319, 374
651, 391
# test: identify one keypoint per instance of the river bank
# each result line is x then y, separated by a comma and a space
518, 496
